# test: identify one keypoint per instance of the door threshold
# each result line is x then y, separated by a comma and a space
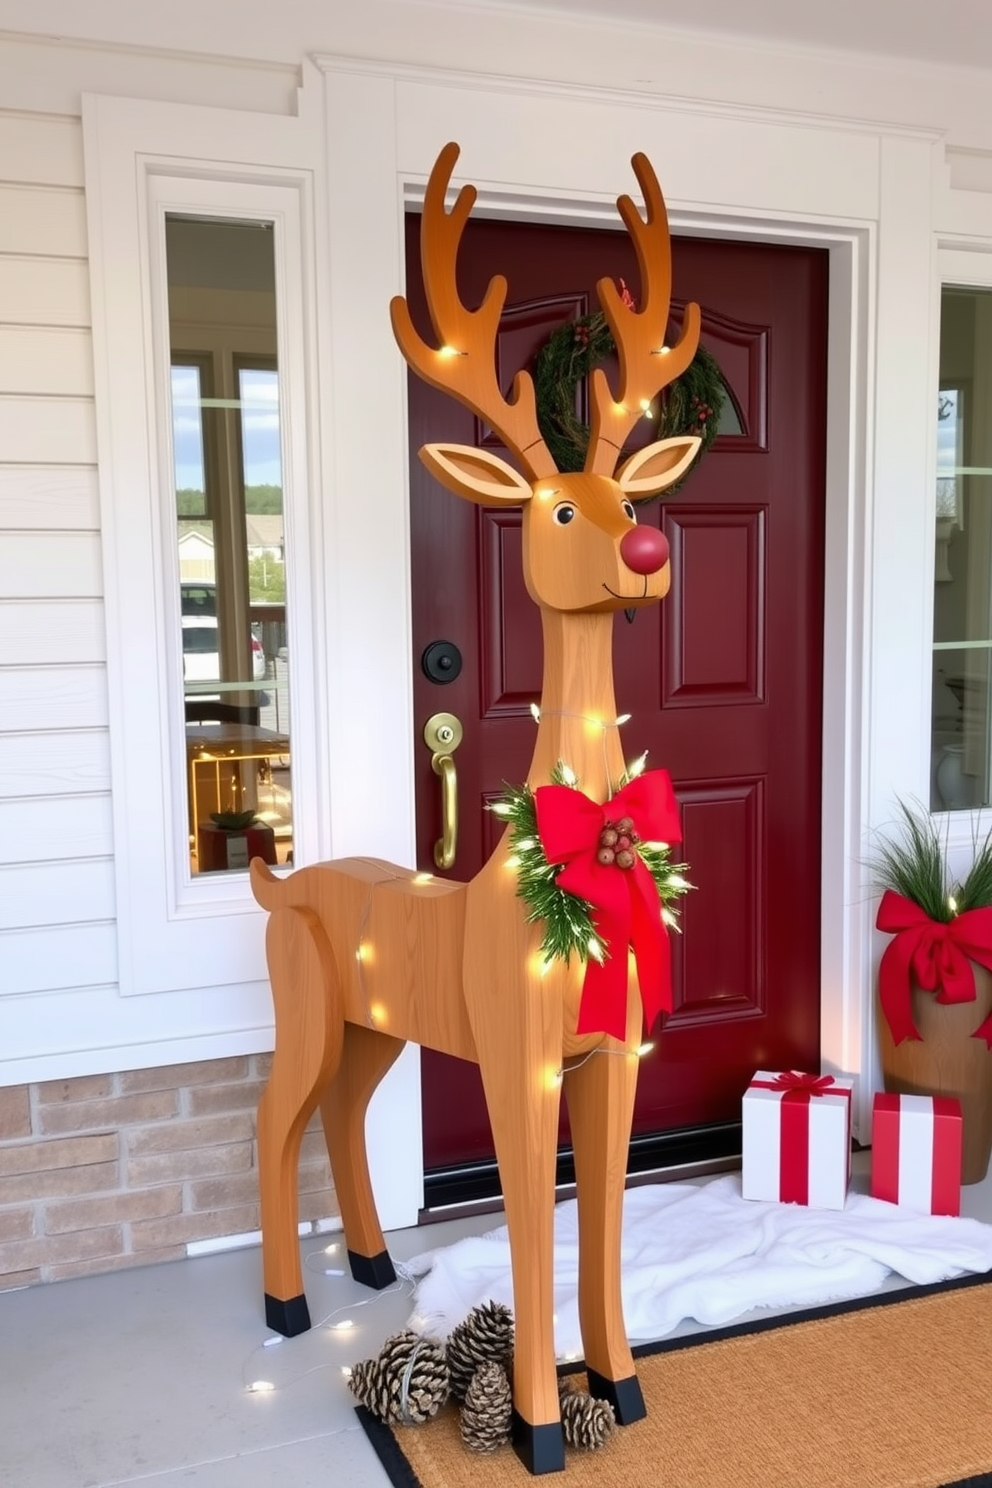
659, 1157
683, 1173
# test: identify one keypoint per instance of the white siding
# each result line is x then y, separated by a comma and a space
56, 881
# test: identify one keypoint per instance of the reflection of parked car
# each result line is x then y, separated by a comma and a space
201, 652
198, 599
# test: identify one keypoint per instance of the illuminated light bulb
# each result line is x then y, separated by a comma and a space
555, 1078
637, 768
646, 1048
595, 950
526, 843
377, 1013
271, 1342
422, 878
360, 953
501, 808
535, 712
662, 351
449, 351
952, 904
343, 1326
512, 862
261, 1387
677, 881
624, 718
330, 1250
568, 775
346, 1370
668, 917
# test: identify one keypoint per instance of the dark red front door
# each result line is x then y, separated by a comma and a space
723, 680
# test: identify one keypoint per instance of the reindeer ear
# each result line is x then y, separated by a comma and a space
657, 466
475, 474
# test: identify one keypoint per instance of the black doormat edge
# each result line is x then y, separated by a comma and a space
402, 1475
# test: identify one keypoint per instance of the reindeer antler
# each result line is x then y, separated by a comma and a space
464, 364
646, 364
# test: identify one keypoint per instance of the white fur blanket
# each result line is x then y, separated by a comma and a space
706, 1253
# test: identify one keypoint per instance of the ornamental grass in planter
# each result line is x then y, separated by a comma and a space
935, 986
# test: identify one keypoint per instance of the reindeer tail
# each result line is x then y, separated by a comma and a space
266, 887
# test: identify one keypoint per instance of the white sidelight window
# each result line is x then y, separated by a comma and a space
201, 240
961, 765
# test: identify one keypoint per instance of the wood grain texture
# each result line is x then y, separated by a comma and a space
364, 955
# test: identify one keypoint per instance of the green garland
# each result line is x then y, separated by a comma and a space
692, 404
567, 919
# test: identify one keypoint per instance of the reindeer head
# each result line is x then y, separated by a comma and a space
583, 549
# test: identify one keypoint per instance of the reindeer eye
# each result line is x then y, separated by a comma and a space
563, 514
628, 510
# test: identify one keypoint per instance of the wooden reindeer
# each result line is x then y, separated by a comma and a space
364, 956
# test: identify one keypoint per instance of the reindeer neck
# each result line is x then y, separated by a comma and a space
578, 708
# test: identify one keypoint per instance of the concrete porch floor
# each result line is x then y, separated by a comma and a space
140, 1376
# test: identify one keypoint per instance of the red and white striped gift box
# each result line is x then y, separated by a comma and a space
916, 1152
797, 1139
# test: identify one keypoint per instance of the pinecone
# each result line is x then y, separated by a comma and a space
485, 1416
407, 1383
485, 1337
586, 1423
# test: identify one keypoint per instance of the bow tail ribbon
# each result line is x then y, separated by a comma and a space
627, 912
626, 908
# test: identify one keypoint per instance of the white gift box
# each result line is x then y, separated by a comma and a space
916, 1152
797, 1139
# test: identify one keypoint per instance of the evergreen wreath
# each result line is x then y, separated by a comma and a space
692, 404
567, 919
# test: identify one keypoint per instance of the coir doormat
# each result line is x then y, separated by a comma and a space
894, 1392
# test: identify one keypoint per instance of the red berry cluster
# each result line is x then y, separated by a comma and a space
617, 842
703, 410
581, 334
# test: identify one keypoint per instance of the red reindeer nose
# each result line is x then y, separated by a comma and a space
644, 549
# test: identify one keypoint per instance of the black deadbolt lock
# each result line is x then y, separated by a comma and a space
442, 661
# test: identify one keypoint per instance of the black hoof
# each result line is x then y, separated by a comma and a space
541, 1449
288, 1318
372, 1271
624, 1396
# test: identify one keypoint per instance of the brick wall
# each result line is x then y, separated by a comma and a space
121, 1170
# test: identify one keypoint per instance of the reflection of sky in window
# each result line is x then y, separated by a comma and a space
259, 389
187, 429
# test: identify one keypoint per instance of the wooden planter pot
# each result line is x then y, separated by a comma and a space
948, 1061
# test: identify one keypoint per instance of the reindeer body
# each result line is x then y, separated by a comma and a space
364, 956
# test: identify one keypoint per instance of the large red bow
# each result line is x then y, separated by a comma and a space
938, 955
625, 902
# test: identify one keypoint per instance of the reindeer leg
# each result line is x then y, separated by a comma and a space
309, 1029
600, 1096
367, 1055
517, 1031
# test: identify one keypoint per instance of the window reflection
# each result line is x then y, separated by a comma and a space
962, 697
230, 536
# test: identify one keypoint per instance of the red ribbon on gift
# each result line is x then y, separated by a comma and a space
625, 902
937, 954
793, 1161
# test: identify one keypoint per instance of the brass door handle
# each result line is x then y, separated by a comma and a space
442, 735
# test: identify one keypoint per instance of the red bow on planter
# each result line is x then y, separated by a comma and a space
624, 899
937, 954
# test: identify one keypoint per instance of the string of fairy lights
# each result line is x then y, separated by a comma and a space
340, 1322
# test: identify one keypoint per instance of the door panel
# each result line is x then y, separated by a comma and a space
723, 680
